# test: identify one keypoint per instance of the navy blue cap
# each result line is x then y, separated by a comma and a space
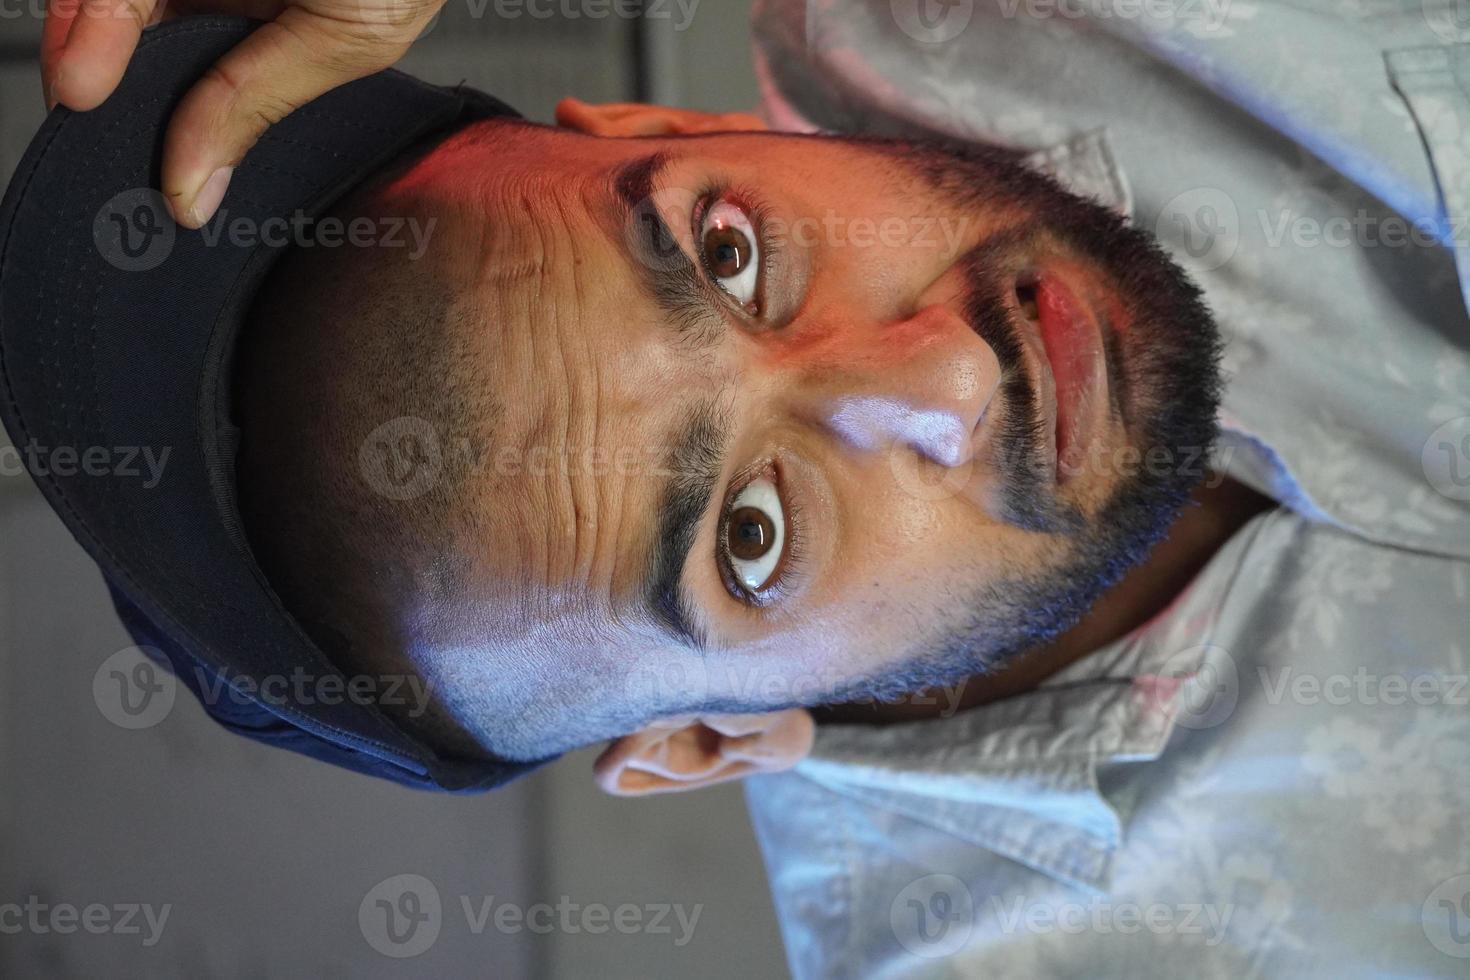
118, 329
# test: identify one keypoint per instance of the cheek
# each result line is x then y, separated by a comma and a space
914, 529
916, 525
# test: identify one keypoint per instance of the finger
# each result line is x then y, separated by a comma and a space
60, 15
282, 66
90, 58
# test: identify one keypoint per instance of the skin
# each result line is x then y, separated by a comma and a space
871, 392
851, 384
689, 753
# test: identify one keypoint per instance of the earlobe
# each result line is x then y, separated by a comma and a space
627, 119
684, 754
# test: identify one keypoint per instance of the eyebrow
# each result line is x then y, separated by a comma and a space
694, 464
666, 273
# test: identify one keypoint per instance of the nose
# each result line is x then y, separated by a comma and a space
924, 382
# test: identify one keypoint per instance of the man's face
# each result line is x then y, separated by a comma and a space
775, 414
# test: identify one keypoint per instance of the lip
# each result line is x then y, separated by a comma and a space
1067, 337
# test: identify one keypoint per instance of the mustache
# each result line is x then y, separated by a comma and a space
1027, 498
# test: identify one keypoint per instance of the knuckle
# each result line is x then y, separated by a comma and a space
247, 107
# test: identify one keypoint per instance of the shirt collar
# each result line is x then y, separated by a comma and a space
1018, 777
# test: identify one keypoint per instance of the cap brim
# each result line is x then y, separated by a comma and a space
116, 333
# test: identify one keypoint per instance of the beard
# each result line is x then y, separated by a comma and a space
1164, 377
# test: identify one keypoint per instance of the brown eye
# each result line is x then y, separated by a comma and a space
755, 535
728, 252
732, 252
751, 534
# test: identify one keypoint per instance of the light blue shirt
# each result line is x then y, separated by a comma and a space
1273, 777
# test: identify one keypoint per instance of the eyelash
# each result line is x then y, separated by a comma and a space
759, 214
790, 561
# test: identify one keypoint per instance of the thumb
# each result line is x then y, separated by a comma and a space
276, 70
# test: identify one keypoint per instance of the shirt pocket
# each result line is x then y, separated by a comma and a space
1434, 82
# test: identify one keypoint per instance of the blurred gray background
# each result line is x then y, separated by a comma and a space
263, 857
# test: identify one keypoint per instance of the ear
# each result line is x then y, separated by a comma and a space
637, 119
692, 753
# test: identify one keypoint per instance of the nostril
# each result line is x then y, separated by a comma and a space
1026, 296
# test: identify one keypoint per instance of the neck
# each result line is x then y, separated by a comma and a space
1215, 512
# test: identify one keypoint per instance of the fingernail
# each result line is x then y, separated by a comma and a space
207, 201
